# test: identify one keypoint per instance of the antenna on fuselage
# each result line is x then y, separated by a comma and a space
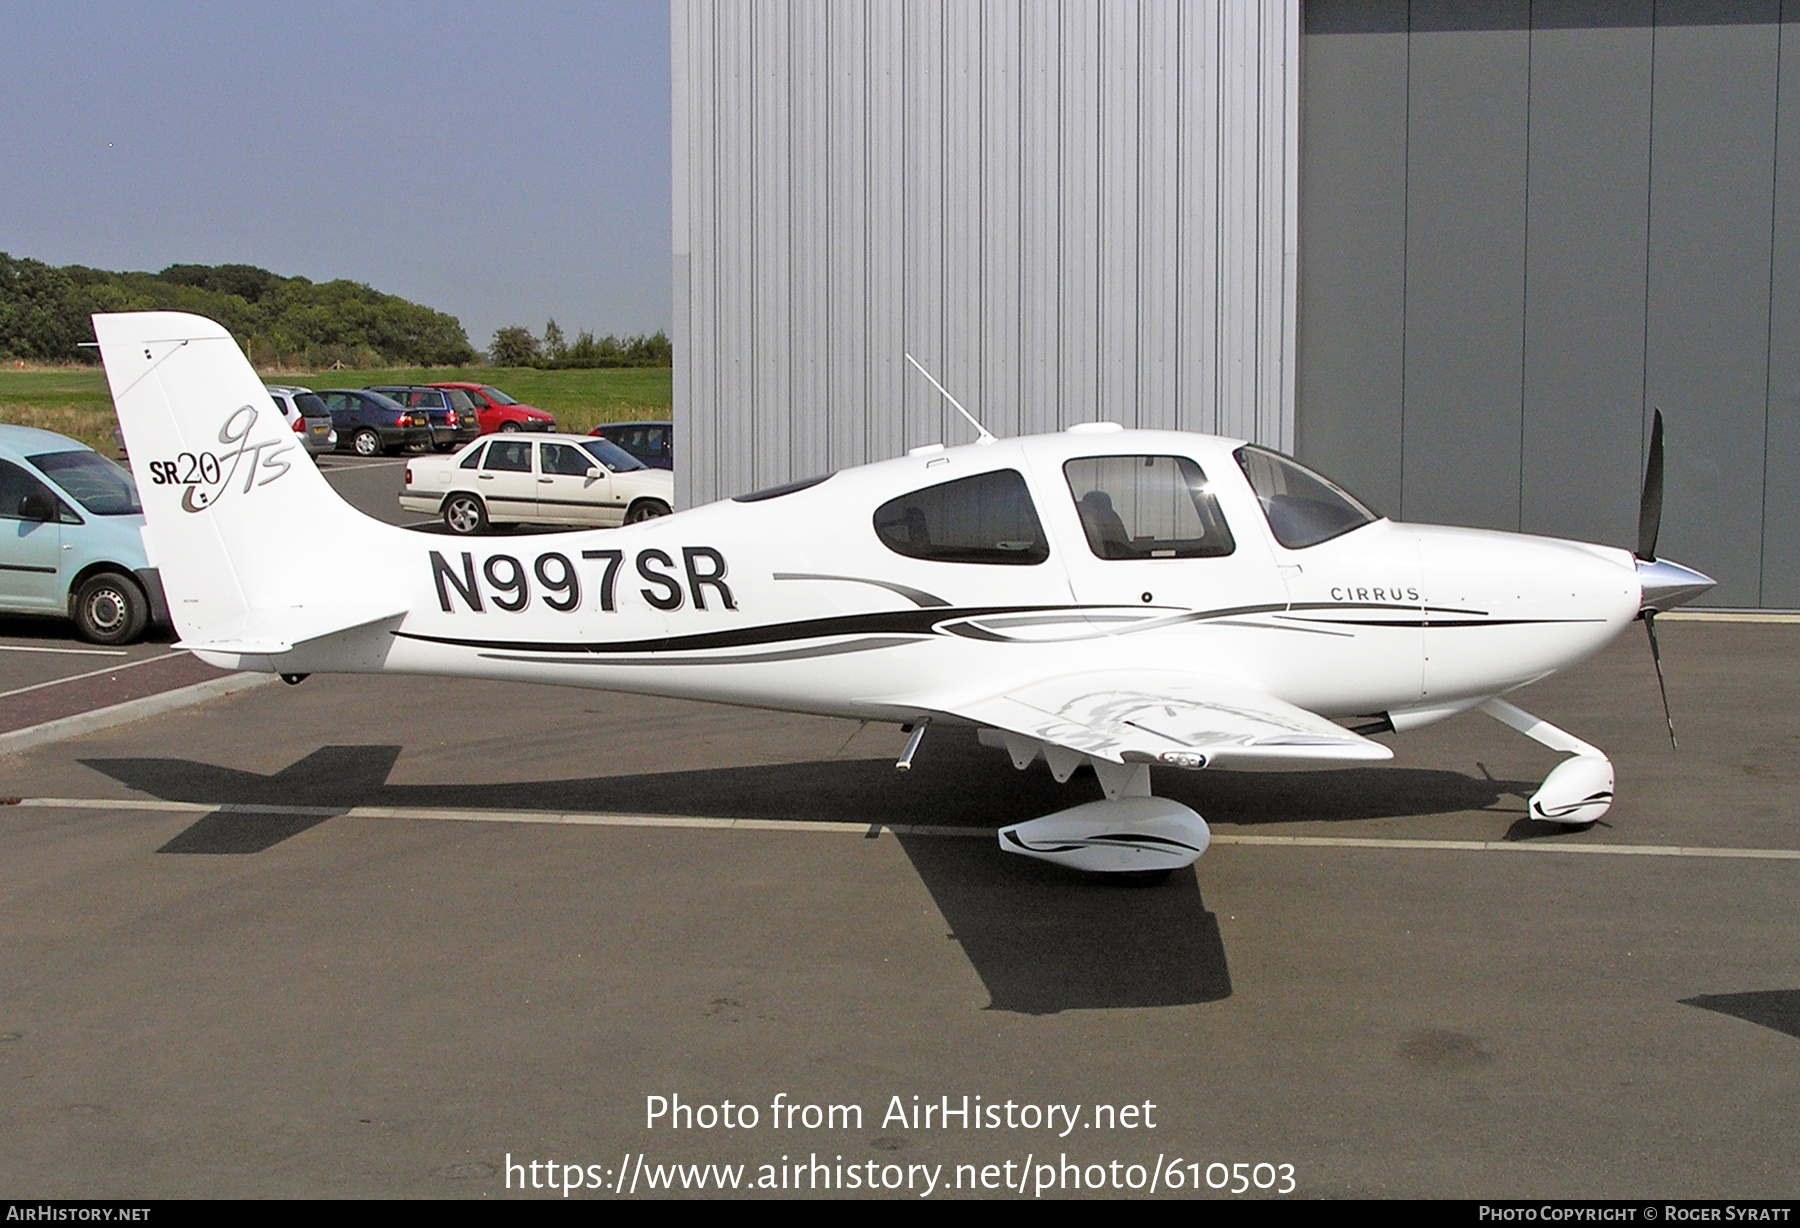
982, 434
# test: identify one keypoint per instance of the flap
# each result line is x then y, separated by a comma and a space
1167, 716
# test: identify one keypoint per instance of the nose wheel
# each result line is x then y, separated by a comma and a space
1578, 790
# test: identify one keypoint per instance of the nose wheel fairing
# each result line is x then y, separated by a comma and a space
1577, 791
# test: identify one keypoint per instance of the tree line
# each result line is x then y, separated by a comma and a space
278, 320
514, 346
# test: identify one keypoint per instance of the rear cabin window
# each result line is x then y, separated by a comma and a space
510, 456
473, 459
988, 518
1147, 507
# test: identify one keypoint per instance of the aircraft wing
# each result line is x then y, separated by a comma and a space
1166, 717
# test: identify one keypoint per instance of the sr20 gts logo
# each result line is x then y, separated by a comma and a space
509, 582
207, 474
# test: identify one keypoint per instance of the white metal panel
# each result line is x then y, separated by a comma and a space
1066, 210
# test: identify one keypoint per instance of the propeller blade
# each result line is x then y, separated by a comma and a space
1650, 505
1656, 656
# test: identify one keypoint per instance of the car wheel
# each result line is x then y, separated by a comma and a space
645, 509
464, 514
109, 609
509, 428
366, 443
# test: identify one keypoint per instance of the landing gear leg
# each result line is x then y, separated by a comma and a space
1578, 790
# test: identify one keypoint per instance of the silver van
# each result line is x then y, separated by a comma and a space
307, 415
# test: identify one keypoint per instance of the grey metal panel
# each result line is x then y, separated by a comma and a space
1587, 244
1158, 219
1001, 256
1781, 505
886, 305
1040, 328
697, 362
1281, 200
1353, 245
923, 168
809, 238
977, 183
735, 229
1239, 197
1197, 263
1078, 357
1117, 285
846, 175
1711, 213
1465, 263
960, 351
771, 220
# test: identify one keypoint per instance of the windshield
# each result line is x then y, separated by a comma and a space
613, 456
311, 406
496, 396
96, 483
1303, 509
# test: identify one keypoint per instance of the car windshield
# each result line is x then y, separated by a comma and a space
96, 483
311, 406
613, 456
496, 396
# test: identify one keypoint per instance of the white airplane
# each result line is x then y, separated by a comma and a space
1119, 599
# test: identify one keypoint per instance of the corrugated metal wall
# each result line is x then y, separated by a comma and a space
1525, 223
1068, 211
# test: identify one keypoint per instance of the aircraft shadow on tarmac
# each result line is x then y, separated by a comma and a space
1778, 1009
1043, 939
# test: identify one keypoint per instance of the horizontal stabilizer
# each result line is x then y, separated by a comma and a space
273, 632
1170, 717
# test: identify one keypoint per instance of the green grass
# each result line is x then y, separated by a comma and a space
74, 401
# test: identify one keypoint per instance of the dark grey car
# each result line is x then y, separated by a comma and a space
369, 424
651, 442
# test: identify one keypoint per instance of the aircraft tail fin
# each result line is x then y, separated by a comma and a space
239, 521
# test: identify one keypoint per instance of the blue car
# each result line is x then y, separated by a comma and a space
69, 541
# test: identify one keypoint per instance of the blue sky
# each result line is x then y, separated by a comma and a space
502, 162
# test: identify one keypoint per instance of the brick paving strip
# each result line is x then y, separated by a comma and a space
50, 701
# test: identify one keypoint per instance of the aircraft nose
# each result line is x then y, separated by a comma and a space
1667, 585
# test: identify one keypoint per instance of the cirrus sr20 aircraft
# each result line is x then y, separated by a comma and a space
1122, 599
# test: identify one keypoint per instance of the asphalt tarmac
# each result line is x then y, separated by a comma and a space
396, 936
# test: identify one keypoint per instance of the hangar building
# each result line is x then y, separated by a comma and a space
1451, 254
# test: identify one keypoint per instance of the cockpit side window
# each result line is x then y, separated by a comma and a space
1303, 509
1147, 507
988, 518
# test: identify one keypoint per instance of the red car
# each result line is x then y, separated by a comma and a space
499, 412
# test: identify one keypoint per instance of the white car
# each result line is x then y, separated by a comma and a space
537, 479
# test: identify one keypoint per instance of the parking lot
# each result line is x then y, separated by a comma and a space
379, 936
